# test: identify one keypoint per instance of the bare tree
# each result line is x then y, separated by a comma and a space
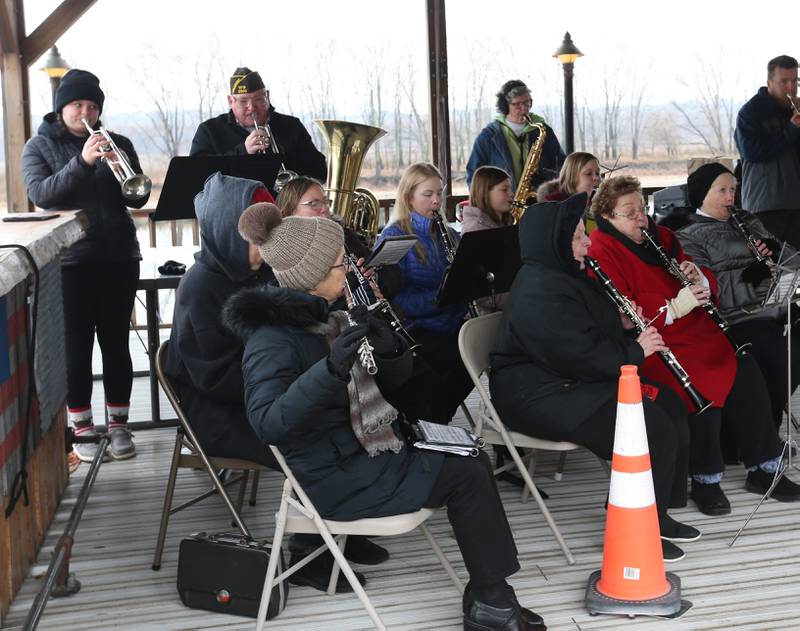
636, 109
712, 117
166, 114
419, 124
209, 76
374, 66
613, 94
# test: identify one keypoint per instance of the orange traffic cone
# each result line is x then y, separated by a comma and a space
632, 580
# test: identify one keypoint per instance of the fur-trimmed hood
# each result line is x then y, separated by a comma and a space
253, 307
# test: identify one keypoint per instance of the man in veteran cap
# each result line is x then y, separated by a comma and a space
235, 133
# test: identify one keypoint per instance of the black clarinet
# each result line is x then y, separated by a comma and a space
700, 403
450, 253
673, 267
758, 270
364, 294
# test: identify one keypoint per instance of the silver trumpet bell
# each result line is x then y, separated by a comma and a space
134, 186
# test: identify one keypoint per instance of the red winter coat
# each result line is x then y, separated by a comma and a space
695, 339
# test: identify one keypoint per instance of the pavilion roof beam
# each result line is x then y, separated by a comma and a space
54, 26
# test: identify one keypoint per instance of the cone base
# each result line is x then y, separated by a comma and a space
666, 605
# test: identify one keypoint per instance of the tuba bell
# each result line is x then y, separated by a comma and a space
348, 144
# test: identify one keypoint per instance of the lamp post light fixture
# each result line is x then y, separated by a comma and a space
55, 66
567, 53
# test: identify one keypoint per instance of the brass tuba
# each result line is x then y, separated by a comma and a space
525, 194
348, 144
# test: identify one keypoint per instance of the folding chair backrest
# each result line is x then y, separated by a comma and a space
298, 490
475, 342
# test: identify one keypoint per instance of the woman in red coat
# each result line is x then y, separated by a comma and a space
734, 384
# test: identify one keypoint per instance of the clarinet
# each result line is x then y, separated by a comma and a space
672, 266
700, 403
450, 253
758, 270
365, 295
365, 349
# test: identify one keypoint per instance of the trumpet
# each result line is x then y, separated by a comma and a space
700, 403
134, 185
284, 175
672, 267
365, 349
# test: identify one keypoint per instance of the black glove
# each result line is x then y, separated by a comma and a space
344, 350
381, 336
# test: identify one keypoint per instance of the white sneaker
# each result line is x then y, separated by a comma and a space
121, 447
87, 451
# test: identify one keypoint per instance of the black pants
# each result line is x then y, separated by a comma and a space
449, 381
746, 415
784, 224
667, 439
769, 350
467, 487
98, 298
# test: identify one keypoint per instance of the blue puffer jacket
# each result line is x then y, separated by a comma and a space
490, 148
421, 281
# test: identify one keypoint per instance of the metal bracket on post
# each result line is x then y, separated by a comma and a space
66, 583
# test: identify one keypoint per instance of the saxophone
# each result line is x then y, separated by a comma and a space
525, 195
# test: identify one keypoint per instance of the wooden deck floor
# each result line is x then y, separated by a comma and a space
755, 585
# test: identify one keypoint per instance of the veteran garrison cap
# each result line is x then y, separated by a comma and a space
245, 80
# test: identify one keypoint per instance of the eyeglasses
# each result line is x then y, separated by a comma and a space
316, 204
631, 214
259, 101
527, 103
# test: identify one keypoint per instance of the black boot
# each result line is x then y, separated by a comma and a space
480, 616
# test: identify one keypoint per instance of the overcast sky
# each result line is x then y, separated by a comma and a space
657, 45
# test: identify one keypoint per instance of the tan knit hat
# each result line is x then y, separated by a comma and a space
300, 250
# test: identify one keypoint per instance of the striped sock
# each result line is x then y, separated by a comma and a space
81, 419
117, 415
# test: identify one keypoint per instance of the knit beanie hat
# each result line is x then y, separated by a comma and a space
78, 85
701, 180
300, 250
245, 80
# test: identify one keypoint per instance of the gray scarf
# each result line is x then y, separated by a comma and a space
371, 415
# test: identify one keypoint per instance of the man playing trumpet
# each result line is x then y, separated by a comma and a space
768, 139
242, 131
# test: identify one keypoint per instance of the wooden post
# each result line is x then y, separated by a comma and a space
439, 103
16, 101
17, 53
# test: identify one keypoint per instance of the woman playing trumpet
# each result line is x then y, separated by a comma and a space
63, 169
712, 240
301, 373
734, 384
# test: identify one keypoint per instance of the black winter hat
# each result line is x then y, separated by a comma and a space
77, 85
701, 180
245, 80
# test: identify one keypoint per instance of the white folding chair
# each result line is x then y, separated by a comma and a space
297, 514
475, 342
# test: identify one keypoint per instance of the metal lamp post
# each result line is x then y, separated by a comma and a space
56, 67
567, 53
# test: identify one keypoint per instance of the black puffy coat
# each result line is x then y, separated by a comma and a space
295, 403
57, 178
204, 359
561, 343
222, 135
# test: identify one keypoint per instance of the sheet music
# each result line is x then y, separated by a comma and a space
783, 285
445, 434
391, 250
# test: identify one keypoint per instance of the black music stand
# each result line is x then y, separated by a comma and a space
485, 264
187, 175
784, 290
